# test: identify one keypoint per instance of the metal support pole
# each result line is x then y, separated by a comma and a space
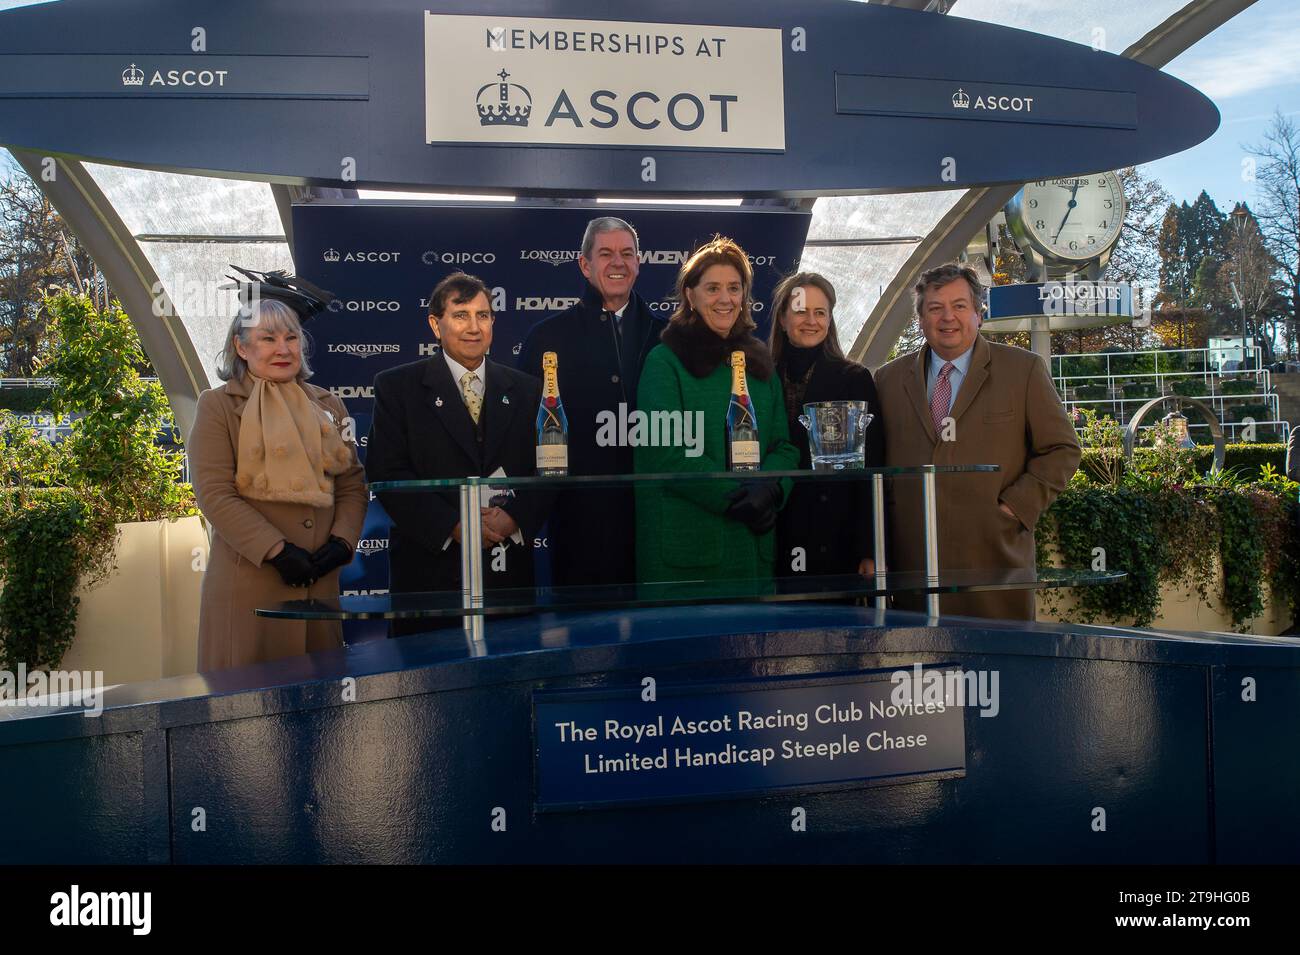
471, 557
1040, 339
878, 528
931, 542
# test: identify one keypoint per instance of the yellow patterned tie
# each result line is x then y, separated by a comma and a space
472, 401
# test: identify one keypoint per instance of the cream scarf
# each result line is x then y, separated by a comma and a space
289, 447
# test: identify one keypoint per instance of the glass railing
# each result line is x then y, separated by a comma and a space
625, 480
448, 603
473, 602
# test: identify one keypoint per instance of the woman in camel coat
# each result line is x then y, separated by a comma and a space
283, 523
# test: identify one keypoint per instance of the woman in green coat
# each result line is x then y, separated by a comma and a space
717, 529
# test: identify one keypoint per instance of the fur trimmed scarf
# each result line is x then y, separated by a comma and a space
701, 350
289, 447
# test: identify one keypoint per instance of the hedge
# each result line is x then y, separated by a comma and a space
49, 539
1241, 386
1090, 392
1191, 387
1247, 459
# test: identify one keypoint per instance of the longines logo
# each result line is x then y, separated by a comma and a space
512, 107
1003, 104
433, 257
134, 77
356, 305
371, 545
333, 255
645, 256
540, 304
363, 349
353, 391
549, 256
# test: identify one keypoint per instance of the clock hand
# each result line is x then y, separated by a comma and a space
1068, 209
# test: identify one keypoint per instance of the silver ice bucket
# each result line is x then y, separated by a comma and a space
837, 434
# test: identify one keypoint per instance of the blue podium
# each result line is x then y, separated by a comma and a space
1108, 745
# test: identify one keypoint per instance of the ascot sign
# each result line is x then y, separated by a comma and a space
602, 83
679, 97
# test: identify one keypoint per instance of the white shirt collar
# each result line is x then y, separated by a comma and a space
459, 371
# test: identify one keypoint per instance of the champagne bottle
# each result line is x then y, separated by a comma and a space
742, 426
552, 423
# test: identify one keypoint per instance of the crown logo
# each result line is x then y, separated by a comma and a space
133, 76
512, 105
960, 100
331, 255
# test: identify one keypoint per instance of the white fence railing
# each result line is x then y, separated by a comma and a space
1191, 372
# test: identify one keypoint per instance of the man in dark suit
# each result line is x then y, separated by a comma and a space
455, 414
601, 343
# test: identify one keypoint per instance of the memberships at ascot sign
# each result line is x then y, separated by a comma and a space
673, 97
602, 83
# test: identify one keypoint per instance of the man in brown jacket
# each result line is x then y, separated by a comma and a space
961, 399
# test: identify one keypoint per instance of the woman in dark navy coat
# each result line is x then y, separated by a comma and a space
829, 520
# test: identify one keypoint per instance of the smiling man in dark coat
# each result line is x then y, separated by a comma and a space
455, 414
601, 344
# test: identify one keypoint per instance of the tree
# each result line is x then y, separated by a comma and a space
1203, 228
1247, 278
1191, 236
37, 251
1137, 257
1277, 179
1175, 270
1180, 327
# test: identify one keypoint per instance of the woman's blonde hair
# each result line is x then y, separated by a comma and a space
266, 313
720, 251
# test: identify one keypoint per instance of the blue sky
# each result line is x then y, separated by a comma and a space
1249, 67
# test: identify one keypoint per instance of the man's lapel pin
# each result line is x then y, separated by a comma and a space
438, 402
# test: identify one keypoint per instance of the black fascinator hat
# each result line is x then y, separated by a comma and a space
303, 297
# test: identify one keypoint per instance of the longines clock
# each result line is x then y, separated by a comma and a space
1067, 226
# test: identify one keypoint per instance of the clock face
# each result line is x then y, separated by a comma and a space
1074, 218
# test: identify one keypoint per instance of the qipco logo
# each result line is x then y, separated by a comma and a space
458, 258
362, 306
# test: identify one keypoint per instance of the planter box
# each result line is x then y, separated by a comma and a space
1180, 609
142, 622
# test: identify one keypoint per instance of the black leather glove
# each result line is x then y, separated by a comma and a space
294, 565
334, 553
755, 504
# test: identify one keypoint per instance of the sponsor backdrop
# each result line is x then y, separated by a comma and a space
382, 262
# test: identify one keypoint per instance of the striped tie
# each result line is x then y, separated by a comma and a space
941, 398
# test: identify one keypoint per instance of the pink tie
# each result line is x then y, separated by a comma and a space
941, 397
